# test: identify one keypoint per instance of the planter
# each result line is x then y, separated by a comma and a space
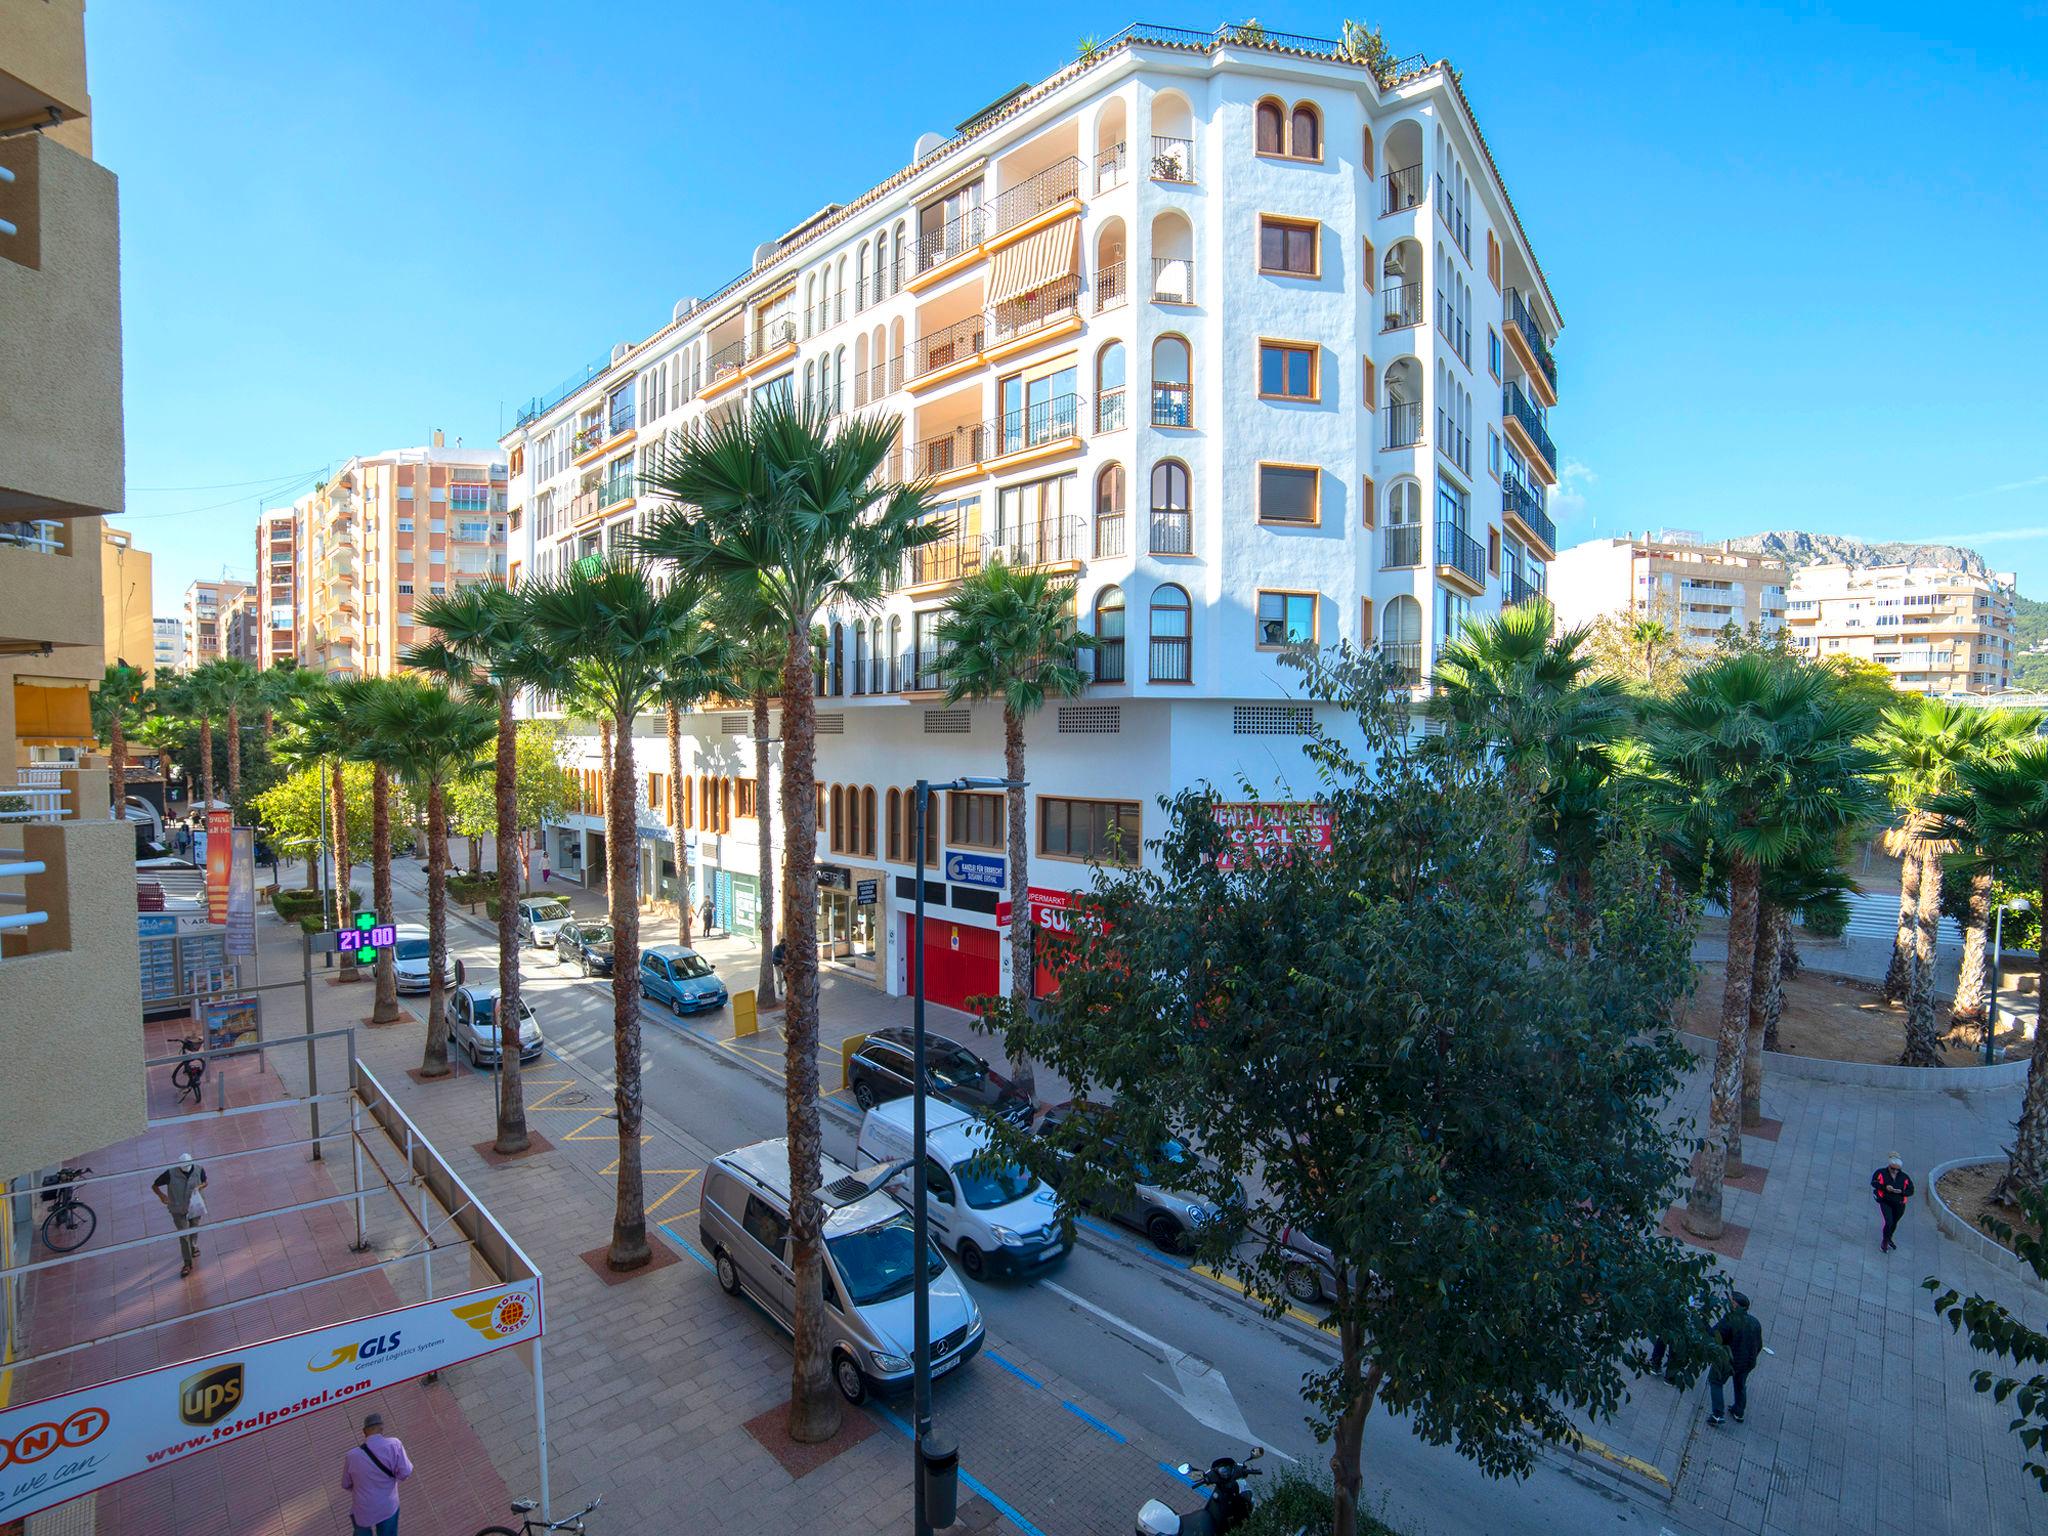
1871, 1074
1957, 1229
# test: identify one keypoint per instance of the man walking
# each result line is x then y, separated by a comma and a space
181, 1190
371, 1473
708, 916
1743, 1337
1891, 1187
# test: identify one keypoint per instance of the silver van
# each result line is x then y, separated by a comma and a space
743, 1223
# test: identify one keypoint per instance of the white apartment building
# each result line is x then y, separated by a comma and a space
170, 643
1249, 344
1938, 631
1700, 588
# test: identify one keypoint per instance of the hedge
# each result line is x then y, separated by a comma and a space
491, 901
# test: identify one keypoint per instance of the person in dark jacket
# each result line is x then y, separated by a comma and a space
1743, 1337
1891, 1187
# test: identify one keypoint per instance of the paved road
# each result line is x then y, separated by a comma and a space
1174, 1357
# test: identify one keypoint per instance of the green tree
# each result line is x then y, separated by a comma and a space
1467, 1117
430, 738
160, 735
546, 787
198, 699
1009, 634
323, 730
294, 810
619, 633
701, 669
236, 687
757, 654
1996, 1330
358, 697
797, 506
120, 703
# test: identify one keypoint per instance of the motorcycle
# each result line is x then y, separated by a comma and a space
1228, 1506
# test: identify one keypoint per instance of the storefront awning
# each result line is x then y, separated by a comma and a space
52, 714
1036, 260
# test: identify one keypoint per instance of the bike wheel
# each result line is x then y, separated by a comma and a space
498, 1530
70, 1227
187, 1075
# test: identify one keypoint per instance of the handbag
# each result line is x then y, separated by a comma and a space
195, 1208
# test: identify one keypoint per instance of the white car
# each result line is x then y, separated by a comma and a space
540, 921
409, 958
473, 1026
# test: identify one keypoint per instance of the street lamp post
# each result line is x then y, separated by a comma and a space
2017, 904
921, 1294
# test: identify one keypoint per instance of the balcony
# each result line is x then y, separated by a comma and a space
1108, 657
50, 589
873, 384
723, 367
1522, 507
1034, 197
1401, 424
1404, 658
623, 415
1173, 533
1517, 590
1404, 546
955, 238
1110, 415
1402, 190
1111, 166
1527, 336
1172, 658
955, 345
775, 338
617, 489
1040, 310
1524, 422
1400, 306
1173, 159
1172, 406
1459, 557
1173, 280
946, 453
1110, 286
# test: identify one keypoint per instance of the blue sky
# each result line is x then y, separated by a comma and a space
1798, 248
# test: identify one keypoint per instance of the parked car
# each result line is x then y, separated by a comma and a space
997, 1217
540, 921
409, 958
681, 978
1152, 1201
882, 1070
474, 1025
1311, 1270
587, 944
870, 1268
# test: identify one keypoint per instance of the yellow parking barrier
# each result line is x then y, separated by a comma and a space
847, 1047
744, 1020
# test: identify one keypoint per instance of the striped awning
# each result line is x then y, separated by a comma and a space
1036, 260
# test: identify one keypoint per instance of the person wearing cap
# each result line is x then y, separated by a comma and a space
1891, 1187
179, 1187
1743, 1337
371, 1472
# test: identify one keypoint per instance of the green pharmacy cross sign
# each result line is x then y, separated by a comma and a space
366, 938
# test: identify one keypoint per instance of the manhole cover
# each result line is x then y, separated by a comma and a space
572, 1098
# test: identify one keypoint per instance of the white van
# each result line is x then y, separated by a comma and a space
996, 1217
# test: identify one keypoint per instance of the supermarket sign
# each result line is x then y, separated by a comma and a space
1260, 830
57, 1449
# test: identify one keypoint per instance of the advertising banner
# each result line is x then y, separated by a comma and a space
975, 869
220, 849
241, 939
1051, 912
61, 1447
1259, 831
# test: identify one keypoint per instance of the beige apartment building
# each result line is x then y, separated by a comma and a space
1698, 587
1936, 630
277, 583
70, 976
126, 597
219, 622
386, 532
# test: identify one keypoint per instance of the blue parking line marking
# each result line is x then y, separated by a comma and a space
1003, 1506
1093, 1422
1180, 1477
1143, 1250
685, 1244
1022, 1375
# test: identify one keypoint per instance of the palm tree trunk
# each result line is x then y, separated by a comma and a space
117, 749
434, 1063
764, 813
674, 810
605, 776
385, 1009
343, 871
814, 1414
1024, 1075
1898, 975
1703, 1216
2029, 1160
235, 756
512, 1133
1770, 936
1923, 1044
1973, 981
206, 761
1774, 1002
629, 1248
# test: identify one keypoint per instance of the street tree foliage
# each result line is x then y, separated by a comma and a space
290, 811
1994, 1329
1377, 1046
547, 788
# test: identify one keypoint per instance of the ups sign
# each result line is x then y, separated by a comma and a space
210, 1395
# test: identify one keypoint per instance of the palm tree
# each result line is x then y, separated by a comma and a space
1649, 636
1009, 634
700, 669
162, 735
119, 702
1814, 888
796, 505
236, 686
2005, 730
619, 634
430, 737
756, 655
358, 698
322, 735
1755, 758
283, 686
484, 649
198, 696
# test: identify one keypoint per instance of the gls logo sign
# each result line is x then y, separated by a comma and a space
210, 1395
367, 1349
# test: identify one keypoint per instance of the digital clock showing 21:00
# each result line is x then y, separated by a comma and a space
349, 940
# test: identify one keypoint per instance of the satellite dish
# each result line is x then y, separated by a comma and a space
620, 349
765, 251
927, 143
683, 310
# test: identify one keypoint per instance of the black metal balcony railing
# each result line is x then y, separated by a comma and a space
1110, 287
1521, 591
1460, 551
1403, 189
1526, 503
1519, 406
1400, 306
1404, 545
1110, 167
1108, 656
1033, 426
1172, 406
1173, 280
1173, 658
622, 415
1109, 411
943, 452
955, 343
1520, 318
955, 237
1403, 420
1058, 183
591, 434
1048, 541
922, 672
1172, 159
1109, 535
1173, 533
1404, 657
1041, 307
725, 362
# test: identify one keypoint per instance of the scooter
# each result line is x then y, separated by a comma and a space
1228, 1507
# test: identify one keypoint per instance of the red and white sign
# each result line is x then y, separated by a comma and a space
1261, 830
220, 854
1051, 912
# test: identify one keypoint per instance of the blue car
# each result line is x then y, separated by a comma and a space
681, 978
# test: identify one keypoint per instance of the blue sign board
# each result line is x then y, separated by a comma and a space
975, 869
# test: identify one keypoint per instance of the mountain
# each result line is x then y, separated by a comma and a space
2029, 630
1797, 549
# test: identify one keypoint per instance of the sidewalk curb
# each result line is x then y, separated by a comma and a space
1955, 1228
1870, 1074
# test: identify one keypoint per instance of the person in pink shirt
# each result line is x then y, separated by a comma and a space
371, 1472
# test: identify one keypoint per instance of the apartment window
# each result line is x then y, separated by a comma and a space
1305, 133
1288, 493
437, 525
1296, 135
1289, 247
438, 493
1287, 371
405, 589
1171, 383
1172, 636
1109, 512
474, 531
1493, 452
1172, 524
1109, 635
1269, 136
1106, 831
438, 589
1493, 352
1286, 618
974, 820
1453, 609
405, 525
405, 493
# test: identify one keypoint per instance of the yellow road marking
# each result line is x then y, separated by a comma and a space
675, 1188
1238, 1286
556, 1090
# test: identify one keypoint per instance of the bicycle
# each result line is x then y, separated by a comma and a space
70, 1221
190, 1074
525, 1507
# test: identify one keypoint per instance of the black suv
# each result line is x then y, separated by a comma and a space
881, 1069
589, 942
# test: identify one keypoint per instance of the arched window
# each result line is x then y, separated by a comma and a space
1109, 512
860, 657
867, 823
894, 805
882, 264
838, 659
901, 258
1172, 524
810, 301
1172, 636
1269, 119
1305, 133
1404, 523
1109, 388
860, 279
1109, 635
1170, 383
896, 656
810, 384
836, 828
1401, 637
